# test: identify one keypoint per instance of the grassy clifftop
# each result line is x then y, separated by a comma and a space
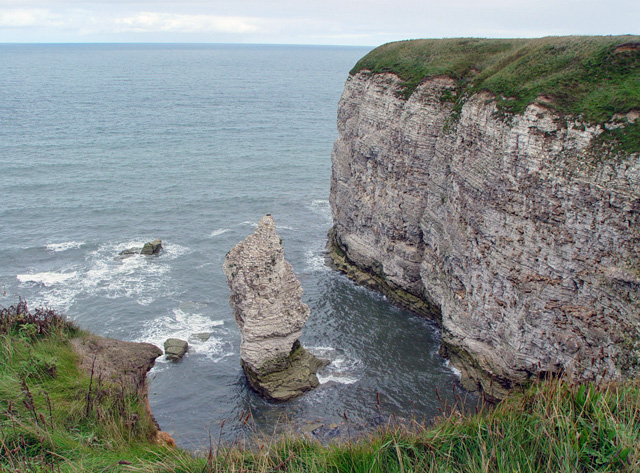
56, 418
593, 77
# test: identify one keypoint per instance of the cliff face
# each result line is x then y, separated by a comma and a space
511, 231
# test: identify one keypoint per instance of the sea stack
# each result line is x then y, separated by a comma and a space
266, 299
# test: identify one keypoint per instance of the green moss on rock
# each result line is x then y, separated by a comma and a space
373, 278
294, 375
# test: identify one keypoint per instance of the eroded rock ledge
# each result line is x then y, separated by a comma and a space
124, 363
268, 308
523, 244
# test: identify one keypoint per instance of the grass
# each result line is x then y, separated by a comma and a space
590, 77
54, 418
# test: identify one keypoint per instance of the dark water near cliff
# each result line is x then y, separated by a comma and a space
103, 147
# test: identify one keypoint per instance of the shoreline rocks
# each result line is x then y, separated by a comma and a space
150, 248
121, 362
174, 349
266, 299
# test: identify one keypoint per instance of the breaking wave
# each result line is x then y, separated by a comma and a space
64, 246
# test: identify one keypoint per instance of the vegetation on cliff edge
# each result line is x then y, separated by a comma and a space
55, 418
595, 78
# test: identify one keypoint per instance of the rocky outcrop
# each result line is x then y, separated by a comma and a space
267, 306
510, 231
124, 363
175, 349
200, 337
152, 247
115, 360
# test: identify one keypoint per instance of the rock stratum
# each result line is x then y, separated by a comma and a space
514, 231
266, 299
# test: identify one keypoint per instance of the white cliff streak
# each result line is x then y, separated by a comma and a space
526, 243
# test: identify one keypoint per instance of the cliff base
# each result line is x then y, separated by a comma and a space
338, 259
285, 384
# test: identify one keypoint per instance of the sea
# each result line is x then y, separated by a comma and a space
106, 146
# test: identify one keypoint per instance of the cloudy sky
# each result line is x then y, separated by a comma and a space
350, 22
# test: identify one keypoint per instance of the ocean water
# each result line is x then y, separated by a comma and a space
104, 147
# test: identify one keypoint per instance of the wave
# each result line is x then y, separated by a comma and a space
315, 259
47, 279
342, 368
336, 379
220, 231
322, 208
131, 277
64, 246
138, 277
56, 288
184, 322
249, 223
455, 370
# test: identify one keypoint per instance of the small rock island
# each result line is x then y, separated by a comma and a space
266, 299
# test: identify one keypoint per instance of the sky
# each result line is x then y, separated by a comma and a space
336, 22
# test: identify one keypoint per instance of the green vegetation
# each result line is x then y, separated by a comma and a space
54, 418
591, 77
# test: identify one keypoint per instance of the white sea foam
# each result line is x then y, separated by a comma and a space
65, 245
455, 370
336, 379
322, 208
103, 274
342, 368
137, 276
56, 288
131, 277
183, 322
249, 223
220, 231
47, 279
315, 260
320, 351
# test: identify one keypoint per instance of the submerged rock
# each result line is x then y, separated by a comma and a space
200, 337
130, 252
174, 348
266, 299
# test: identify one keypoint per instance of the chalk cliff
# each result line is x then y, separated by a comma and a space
510, 230
268, 308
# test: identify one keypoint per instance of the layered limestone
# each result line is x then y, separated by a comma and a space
266, 299
510, 231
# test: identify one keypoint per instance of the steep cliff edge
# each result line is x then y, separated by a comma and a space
512, 219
